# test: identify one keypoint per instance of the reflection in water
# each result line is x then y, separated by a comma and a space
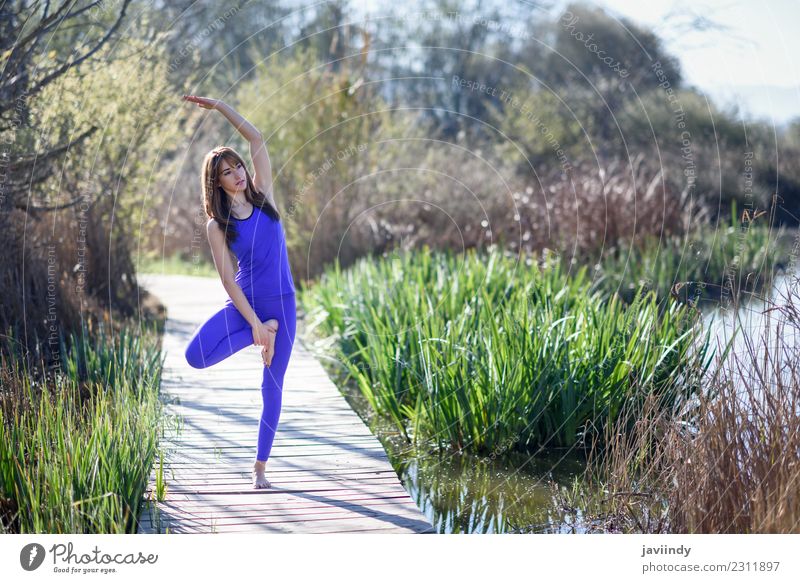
464, 493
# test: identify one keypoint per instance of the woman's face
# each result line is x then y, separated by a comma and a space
232, 178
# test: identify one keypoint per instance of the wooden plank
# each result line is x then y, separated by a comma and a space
341, 522
265, 516
188, 455
329, 473
354, 514
282, 500
308, 463
284, 484
202, 478
267, 513
345, 466
246, 442
360, 517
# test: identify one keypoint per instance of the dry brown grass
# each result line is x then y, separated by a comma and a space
406, 191
598, 207
735, 468
59, 268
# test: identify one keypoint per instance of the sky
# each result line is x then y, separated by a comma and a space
753, 61
748, 56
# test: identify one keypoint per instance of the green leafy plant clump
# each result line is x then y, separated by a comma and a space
76, 449
487, 352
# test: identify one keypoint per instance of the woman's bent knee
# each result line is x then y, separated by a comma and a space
194, 356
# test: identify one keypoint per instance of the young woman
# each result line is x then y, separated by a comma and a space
244, 222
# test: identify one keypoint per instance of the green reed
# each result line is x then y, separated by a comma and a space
76, 449
485, 352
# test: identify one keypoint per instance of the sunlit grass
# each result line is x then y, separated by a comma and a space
76, 453
735, 469
484, 352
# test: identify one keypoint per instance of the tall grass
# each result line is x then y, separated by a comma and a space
734, 469
487, 353
76, 448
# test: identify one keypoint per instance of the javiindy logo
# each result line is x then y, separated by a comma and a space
31, 556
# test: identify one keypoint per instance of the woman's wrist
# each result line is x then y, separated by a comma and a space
260, 324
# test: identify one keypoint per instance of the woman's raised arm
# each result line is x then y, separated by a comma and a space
262, 169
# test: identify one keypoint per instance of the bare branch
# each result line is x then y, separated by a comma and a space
28, 171
58, 71
56, 207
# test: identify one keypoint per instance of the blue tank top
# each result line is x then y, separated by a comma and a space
260, 248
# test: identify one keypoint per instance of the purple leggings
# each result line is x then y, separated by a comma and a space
227, 332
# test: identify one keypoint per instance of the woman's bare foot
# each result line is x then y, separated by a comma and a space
259, 479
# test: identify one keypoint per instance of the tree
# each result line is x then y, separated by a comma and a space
27, 71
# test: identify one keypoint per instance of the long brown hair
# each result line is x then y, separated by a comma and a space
217, 205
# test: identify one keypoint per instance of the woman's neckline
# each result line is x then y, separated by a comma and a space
252, 210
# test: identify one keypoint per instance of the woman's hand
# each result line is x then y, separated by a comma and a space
204, 102
268, 351
263, 331
264, 335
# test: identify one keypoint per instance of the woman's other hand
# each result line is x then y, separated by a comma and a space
204, 102
264, 336
263, 331
268, 351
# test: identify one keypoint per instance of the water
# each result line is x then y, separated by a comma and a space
465, 493
468, 494
753, 320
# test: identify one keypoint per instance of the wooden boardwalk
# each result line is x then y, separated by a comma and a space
328, 472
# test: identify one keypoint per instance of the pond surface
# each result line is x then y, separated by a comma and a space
754, 319
465, 493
